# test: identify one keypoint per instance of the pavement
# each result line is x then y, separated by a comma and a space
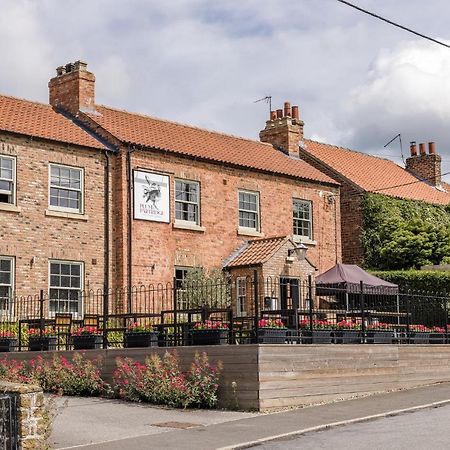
99, 424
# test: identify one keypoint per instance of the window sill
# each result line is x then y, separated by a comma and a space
249, 232
66, 215
304, 240
8, 207
188, 226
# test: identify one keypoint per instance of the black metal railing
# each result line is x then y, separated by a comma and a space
340, 314
9, 439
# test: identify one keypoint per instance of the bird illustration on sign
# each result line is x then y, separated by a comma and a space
152, 192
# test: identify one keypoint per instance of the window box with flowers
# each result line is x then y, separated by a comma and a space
41, 340
380, 333
8, 341
420, 334
322, 332
87, 338
209, 332
140, 336
347, 332
271, 331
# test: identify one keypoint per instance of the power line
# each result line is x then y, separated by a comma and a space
393, 23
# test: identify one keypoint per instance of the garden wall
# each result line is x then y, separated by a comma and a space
275, 376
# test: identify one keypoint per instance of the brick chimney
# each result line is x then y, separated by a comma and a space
284, 130
425, 165
73, 88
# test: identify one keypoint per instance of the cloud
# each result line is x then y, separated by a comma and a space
407, 91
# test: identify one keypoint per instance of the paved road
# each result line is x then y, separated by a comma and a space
96, 424
425, 430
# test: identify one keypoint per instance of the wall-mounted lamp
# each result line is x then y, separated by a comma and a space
300, 251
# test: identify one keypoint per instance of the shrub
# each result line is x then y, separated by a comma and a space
77, 377
59, 375
161, 381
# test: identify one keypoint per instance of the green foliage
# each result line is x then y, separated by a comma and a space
417, 280
161, 381
204, 288
404, 234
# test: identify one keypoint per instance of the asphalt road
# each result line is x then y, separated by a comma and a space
425, 430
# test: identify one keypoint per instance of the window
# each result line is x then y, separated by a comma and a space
180, 275
66, 286
249, 210
241, 294
187, 201
7, 179
66, 188
6, 281
302, 215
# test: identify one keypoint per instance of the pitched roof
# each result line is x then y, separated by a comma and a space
256, 251
374, 174
196, 142
39, 120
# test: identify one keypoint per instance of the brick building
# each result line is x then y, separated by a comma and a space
359, 173
92, 195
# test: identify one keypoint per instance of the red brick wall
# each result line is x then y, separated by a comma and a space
158, 247
31, 233
351, 216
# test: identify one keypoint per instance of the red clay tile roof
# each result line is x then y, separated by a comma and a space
195, 142
256, 251
39, 120
374, 174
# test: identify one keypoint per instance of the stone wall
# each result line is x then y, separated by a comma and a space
31, 414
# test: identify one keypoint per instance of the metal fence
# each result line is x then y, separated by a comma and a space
339, 314
9, 439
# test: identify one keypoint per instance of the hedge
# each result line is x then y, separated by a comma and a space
417, 280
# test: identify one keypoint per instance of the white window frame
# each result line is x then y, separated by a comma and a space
309, 236
12, 193
257, 212
79, 210
10, 285
241, 296
197, 203
79, 312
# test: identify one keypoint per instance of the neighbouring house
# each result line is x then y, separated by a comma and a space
360, 174
92, 196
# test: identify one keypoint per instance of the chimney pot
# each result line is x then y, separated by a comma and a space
287, 109
422, 150
273, 115
295, 112
279, 113
81, 66
61, 70
431, 148
413, 148
69, 67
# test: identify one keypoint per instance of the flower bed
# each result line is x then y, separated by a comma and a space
140, 336
87, 338
209, 333
271, 331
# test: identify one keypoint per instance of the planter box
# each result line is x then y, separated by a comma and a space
44, 343
209, 337
134, 340
419, 338
437, 338
317, 337
271, 336
8, 344
87, 342
347, 337
380, 337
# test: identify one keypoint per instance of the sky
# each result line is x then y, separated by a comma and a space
358, 81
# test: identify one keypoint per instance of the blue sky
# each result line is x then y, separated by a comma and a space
358, 81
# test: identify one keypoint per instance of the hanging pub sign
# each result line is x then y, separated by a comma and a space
151, 196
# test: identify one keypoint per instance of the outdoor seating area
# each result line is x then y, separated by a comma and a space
316, 313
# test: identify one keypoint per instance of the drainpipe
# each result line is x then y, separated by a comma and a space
130, 226
106, 261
